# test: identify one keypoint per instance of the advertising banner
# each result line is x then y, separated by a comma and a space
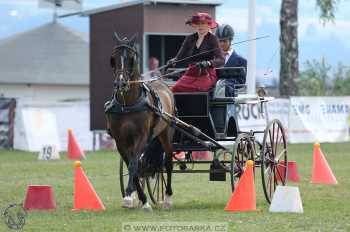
318, 119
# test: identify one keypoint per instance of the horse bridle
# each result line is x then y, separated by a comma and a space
122, 76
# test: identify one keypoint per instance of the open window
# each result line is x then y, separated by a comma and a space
161, 46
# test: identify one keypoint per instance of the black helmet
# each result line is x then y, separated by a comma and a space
225, 31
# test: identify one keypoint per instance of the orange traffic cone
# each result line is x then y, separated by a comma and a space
243, 198
321, 172
74, 152
85, 196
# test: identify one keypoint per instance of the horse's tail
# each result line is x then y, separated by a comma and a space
153, 159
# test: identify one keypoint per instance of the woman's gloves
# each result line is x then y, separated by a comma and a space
203, 64
171, 62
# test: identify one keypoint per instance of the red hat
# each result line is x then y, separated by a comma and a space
202, 17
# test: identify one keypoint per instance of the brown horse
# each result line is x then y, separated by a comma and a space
134, 119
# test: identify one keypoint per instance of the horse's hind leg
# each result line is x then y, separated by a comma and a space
166, 141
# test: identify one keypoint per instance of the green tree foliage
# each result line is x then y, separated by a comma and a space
320, 79
327, 9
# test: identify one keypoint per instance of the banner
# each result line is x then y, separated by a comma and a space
7, 114
40, 126
318, 119
255, 117
278, 109
252, 117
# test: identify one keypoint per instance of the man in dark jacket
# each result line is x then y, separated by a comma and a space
225, 34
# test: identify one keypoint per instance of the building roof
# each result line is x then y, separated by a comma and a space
147, 2
49, 54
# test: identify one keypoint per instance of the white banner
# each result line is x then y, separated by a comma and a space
40, 125
251, 118
279, 109
40, 128
318, 119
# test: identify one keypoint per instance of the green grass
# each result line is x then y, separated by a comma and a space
326, 208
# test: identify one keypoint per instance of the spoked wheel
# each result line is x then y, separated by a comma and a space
156, 186
124, 177
243, 150
273, 158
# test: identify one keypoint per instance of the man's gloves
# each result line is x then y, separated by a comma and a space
203, 64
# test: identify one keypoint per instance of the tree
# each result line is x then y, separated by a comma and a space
315, 80
320, 79
289, 54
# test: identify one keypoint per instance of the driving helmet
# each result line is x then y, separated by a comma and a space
224, 32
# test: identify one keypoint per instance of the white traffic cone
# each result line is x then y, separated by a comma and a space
286, 199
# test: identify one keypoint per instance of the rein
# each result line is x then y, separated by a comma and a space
205, 52
159, 77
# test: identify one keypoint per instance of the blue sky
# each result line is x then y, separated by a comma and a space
315, 40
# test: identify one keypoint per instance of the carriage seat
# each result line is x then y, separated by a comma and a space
231, 82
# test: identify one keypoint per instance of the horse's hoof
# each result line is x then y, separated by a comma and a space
167, 202
130, 202
147, 208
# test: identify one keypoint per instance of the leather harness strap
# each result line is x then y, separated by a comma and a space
141, 104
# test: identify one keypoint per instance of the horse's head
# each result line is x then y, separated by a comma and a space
124, 62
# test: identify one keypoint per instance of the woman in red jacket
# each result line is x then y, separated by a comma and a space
201, 75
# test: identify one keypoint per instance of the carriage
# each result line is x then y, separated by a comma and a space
207, 122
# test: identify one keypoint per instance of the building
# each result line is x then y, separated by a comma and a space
45, 64
160, 26
46, 70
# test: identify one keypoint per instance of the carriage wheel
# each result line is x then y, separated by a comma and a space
273, 158
156, 186
124, 177
243, 150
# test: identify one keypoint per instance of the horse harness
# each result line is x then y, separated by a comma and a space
141, 104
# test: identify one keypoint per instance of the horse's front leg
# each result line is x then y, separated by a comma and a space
168, 191
142, 196
130, 201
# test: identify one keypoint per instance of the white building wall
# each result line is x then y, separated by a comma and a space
44, 93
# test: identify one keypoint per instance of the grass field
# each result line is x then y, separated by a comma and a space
326, 208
